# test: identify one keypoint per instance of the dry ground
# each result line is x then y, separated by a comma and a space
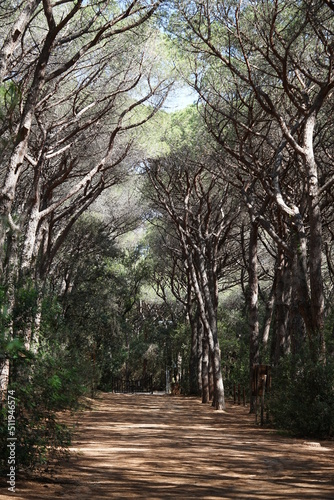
161, 447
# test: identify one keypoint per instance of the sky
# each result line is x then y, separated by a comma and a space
180, 98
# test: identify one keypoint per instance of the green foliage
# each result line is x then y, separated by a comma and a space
234, 341
43, 385
25, 307
100, 321
172, 132
329, 330
45, 381
302, 396
187, 131
4, 314
58, 379
180, 348
13, 348
10, 96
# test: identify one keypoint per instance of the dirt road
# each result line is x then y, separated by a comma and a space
162, 447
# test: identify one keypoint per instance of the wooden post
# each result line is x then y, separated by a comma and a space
244, 396
239, 395
234, 394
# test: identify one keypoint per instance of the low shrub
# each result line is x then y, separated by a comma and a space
43, 385
302, 397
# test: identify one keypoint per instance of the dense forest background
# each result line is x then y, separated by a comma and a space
142, 242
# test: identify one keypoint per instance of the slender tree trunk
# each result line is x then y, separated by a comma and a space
4, 380
315, 240
283, 302
32, 330
211, 307
300, 279
208, 316
211, 379
10, 281
254, 353
199, 353
193, 362
193, 380
219, 395
268, 316
29, 246
297, 327
205, 371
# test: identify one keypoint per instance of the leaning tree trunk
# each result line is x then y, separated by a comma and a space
15, 34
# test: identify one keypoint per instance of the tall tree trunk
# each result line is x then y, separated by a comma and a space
254, 352
210, 294
212, 385
12, 175
208, 314
283, 302
10, 281
315, 240
268, 316
205, 371
297, 327
301, 286
29, 246
193, 362
199, 353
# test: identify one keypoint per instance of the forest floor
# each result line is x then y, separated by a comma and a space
164, 447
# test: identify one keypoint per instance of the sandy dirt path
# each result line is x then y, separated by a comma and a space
161, 447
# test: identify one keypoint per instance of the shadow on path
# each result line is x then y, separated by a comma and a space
162, 447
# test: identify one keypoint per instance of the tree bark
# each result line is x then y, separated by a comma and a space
283, 303
193, 362
209, 318
268, 315
315, 239
15, 35
205, 371
4, 380
254, 352
199, 353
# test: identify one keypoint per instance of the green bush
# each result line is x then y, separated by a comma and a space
44, 384
302, 397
